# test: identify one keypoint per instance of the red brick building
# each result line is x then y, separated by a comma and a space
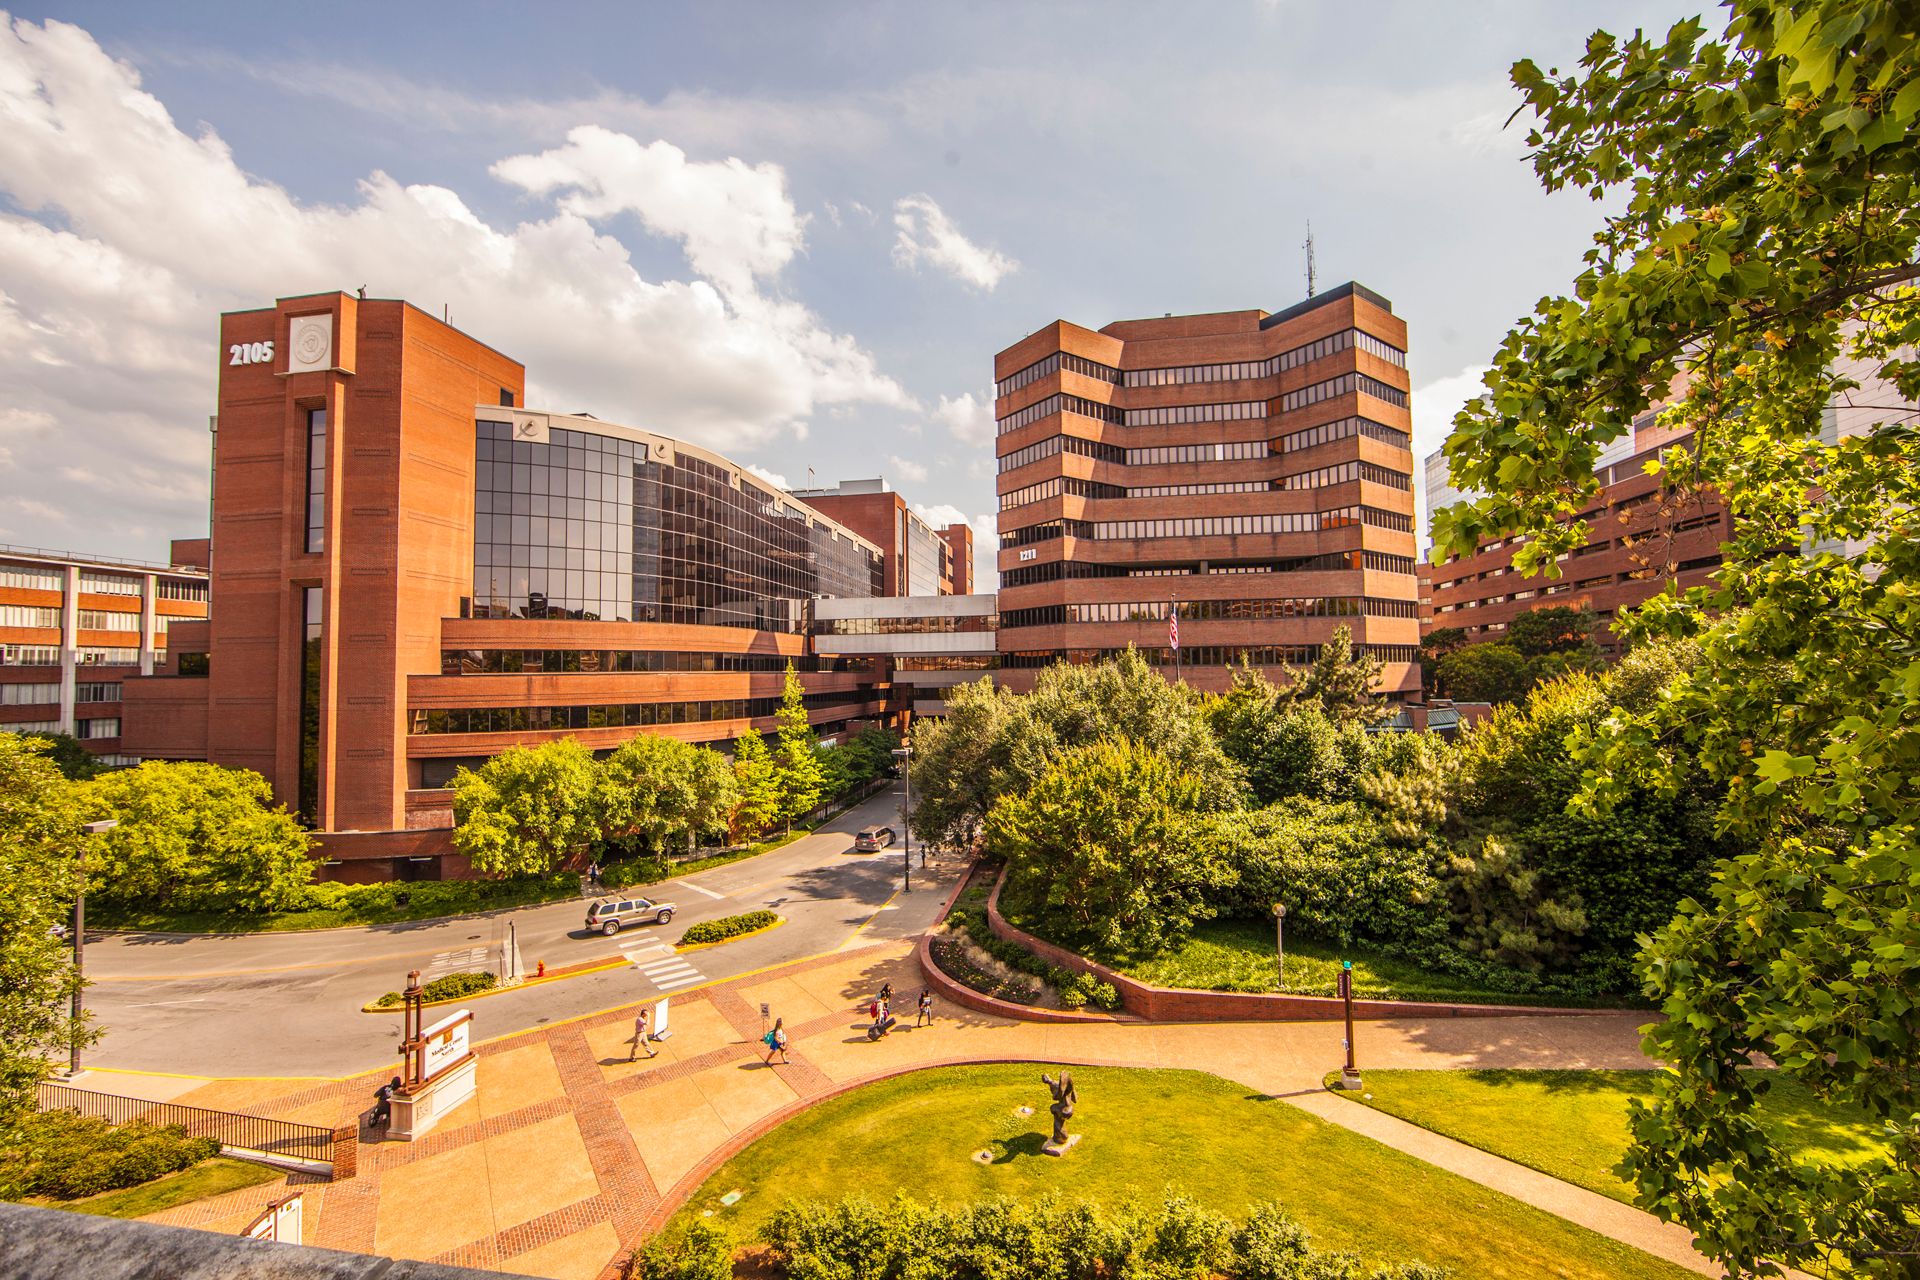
920, 560
1642, 536
412, 572
1254, 469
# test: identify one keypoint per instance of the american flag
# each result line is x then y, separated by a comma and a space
1173, 628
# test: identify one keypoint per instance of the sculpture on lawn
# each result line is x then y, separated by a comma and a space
1062, 1108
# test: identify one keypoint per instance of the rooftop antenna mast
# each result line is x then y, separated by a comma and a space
1308, 246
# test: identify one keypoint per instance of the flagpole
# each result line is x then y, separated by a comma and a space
1173, 632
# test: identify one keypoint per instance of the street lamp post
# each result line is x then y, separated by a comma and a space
1350, 1071
1280, 942
80, 940
904, 754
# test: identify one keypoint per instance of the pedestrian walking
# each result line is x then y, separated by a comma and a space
593, 874
886, 993
776, 1041
924, 1018
642, 1037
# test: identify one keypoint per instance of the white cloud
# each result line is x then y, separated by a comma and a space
1434, 406
122, 238
925, 233
907, 469
773, 478
968, 418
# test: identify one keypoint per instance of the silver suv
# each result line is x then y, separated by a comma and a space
610, 915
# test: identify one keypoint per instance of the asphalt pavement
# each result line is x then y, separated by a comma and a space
288, 1004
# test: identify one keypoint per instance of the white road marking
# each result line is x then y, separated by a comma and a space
154, 1004
658, 971
643, 946
697, 889
689, 980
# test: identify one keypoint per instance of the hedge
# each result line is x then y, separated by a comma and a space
64, 1155
451, 987
729, 927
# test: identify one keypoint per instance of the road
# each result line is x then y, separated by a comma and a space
287, 1004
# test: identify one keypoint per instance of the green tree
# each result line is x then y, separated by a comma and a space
70, 756
662, 794
527, 809
958, 765
1434, 646
194, 837
757, 786
796, 764
1342, 682
1490, 672
1762, 242
1104, 839
40, 839
1555, 628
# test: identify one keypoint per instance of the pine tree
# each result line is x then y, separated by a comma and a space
757, 777
1343, 681
796, 766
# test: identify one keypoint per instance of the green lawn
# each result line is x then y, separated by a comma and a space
1573, 1124
1238, 955
208, 1178
1145, 1132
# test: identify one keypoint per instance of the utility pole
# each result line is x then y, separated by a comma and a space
1308, 246
80, 942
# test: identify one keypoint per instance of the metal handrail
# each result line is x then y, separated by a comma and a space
230, 1129
70, 557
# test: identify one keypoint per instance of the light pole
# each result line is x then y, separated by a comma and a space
904, 754
1350, 1072
80, 939
1280, 942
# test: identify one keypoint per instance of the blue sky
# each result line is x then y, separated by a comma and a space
794, 233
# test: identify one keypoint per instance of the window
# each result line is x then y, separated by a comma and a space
1190, 490
316, 480
32, 577
1345, 384
1209, 610
1054, 488
109, 584
1059, 444
1058, 404
1231, 451
311, 609
100, 656
29, 615
102, 620
1344, 472
29, 655
1340, 429
102, 728
194, 664
506, 398
96, 691
44, 694
1053, 364
171, 589
1185, 375
1178, 414
1233, 526
438, 720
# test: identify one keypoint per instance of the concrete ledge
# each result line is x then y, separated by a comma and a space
56, 1244
1176, 1004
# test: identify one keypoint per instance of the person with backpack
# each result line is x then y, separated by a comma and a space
925, 1016
383, 1104
776, 1041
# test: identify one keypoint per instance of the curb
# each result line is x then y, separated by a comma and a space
682, 948
579, 971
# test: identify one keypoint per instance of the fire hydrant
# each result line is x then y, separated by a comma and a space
540, 970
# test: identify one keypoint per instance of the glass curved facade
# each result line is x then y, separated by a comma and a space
586, 526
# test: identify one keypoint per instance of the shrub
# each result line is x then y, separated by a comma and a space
1105, 996
729, 927
451, 987
705, 1252
64, 1155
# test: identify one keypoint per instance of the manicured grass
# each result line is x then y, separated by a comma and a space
1573, 1124
1143, 1133
208, 1178
1238, 955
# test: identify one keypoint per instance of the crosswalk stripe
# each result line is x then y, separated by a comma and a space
679, 982
672, 971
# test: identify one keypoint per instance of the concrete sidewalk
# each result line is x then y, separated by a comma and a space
569, 1153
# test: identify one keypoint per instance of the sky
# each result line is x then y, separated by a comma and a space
795, 234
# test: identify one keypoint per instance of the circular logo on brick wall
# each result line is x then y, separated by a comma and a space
311, 345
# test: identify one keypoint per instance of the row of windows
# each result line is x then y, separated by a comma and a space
29, 655
172, 589
1191, 490
103, 727
943, 624
1184, 375
1053, 363
1340, 429
1211, 655
946, 662
96, 691
1058, 403
612, 715
465, 662
1058, 485
1342, 472
1345, 384
109, 584
1070, 444
102, 620
1055, 570
29, 615
1179, 414
1045, 531
1053, 615
1230, 451
1229, 526
29, 695
32, 578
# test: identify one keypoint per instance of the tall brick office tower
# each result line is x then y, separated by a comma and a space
1254, 468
